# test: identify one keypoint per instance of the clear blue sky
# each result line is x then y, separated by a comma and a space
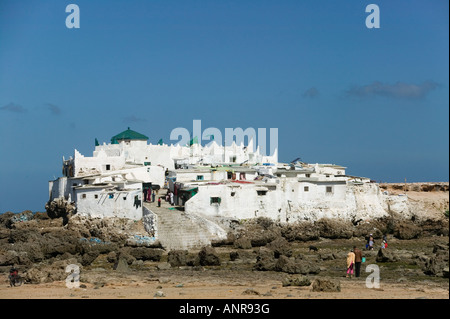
373, 100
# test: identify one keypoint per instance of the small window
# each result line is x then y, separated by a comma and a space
108, 167
306, 188
233, 193
200, 177
83, 195
308, 175
327, 175
86, 181
111, 195
124, 198
261, 193
96, 196
74, 184
329, 189
215, 200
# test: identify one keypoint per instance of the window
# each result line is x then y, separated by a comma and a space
261, 193
215, 200
95, 196
83, 195
111, 196
200, 177
86, 181
124, 198
306, 188
308, 175
233, 193
327, 175
242, 176
329, 189
147, 163
108, 167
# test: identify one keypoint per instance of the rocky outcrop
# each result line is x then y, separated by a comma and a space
326, 285
208, 257
437, 265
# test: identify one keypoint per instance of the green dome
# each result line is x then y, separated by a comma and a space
127, 136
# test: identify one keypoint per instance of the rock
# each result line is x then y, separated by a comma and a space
208, 257
445, 272
89, 257
234, 255
177, 258
112, 257
296, 266
326, 285
46, 273
159, 293
327, 256
280, 246
406, 230
296, 281
163, 266
385, 255
435, 265
121, 265
300, 231
242, 243
334, 228
265, 260
251, 291
145, 253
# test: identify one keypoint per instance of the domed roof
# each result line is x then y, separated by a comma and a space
128, 135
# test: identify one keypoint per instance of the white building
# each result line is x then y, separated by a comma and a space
112, 181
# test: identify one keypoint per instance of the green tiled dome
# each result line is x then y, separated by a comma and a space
128, 135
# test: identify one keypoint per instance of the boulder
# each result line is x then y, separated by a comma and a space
208, 257
385, 255
177, 258
296, 280
121, 265
280, 246
300, 231
326, 285
145, 253
334, 228
242, 243
407, 230
436, 265
296, 266
265, 260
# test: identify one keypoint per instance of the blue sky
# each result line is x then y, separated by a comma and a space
373, 100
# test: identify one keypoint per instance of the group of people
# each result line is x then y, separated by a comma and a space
371, 243
355, 256
149, 195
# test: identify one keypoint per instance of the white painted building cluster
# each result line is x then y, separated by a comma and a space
211, 181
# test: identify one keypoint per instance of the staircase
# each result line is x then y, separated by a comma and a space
178, 230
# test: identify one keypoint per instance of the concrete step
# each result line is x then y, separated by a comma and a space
176, 230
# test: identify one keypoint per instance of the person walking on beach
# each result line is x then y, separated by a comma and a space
350, 263
358, 260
